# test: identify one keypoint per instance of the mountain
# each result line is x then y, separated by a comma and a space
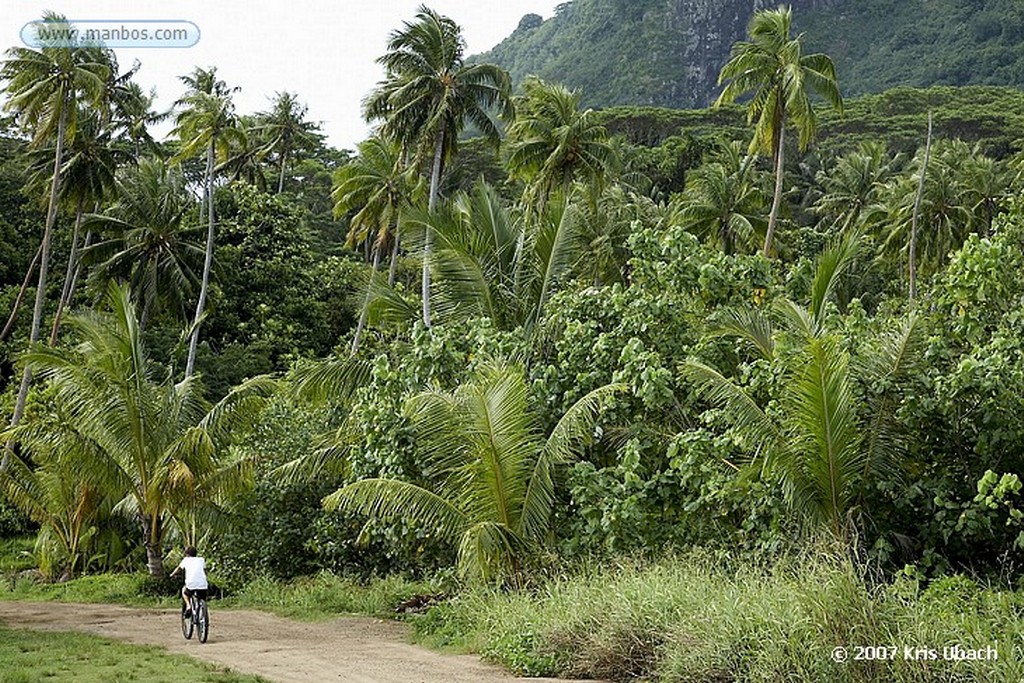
668, 52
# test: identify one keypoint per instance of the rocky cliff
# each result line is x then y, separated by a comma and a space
669, 52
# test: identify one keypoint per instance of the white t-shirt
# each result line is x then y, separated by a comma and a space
195, 573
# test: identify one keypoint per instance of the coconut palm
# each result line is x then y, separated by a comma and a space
146, 242
44, 89
773, 67
552, 143
492, 472
852, 186
151, 442
722, 202
375, 185
428, 95
207, 124
285, 129
818, 439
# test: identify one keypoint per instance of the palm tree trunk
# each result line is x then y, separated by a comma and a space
69, 274
78, 266
154, 549
366, 304
917, 210
21, 294
207, 264
435, 184
393, 266
44, 262
777, 200
280, 180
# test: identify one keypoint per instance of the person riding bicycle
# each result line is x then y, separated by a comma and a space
195, 578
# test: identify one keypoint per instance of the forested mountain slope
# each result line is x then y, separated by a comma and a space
669, 52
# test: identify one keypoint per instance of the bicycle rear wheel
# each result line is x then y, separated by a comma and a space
187, 624
202, 617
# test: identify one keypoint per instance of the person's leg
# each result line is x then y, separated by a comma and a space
184, 601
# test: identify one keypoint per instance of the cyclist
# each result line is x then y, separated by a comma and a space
195, 578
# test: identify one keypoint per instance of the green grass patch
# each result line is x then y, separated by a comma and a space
16, 554
31, 656
326, 595
690, 619
123, 589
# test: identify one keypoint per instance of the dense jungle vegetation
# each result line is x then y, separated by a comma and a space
669, 394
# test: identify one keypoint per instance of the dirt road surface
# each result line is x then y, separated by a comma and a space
348, 649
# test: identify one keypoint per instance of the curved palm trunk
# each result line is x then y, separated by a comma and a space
435, 184
366, 303
69, 274
21, 294
44, 262
78, 266
917, 211
777, 200
207, 264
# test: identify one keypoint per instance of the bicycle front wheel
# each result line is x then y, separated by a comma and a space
203, 621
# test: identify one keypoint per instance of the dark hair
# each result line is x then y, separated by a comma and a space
190, 551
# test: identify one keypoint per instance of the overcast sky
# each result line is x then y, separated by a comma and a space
324, 50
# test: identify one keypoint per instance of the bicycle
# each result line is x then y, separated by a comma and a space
198, 617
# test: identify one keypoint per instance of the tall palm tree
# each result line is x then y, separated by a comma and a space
552, 143
151, 442
426, 98
773, 67
493, 473
284, 129
145, 241
722, 201
375, 185
207, 124
44, 88
87, 178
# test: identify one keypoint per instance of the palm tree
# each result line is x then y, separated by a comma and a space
87, 178
493, 473
772, 66
820, 441
722, 201
44, 88
427, 97
145, 240
208, 124
852, 186
151, 442
552, 143
376, 186
285, 129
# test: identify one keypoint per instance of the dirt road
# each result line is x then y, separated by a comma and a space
353, 650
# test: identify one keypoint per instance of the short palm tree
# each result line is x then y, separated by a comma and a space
44, 88
428, 96
146, 242
773, 67
817, 439
492, 472
722, 202
852, 186
150, 442
206, 125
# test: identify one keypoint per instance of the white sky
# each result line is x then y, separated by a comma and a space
323, 50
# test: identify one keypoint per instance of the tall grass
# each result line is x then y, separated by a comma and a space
690, 619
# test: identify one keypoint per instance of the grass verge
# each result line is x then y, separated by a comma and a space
691, 620
31, 656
